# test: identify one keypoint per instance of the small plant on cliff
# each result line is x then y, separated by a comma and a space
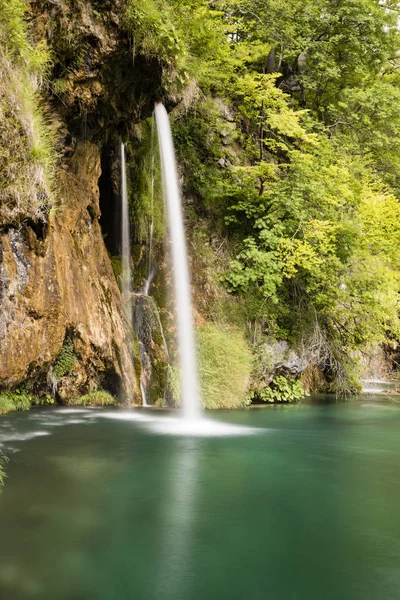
66, 359
281, 389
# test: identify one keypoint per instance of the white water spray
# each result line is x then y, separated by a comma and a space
183, 303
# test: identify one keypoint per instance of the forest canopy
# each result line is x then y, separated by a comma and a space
286, 122
291, 142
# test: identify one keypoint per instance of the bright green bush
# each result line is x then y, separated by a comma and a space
224, 365
281, 389
98, 398
14, 400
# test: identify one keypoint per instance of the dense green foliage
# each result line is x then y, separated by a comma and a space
224, 366
290, 145
65, 360
27, 156
281, 389
14, 400
19, 399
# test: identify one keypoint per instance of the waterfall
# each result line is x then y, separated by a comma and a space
126, 274
150, 268
183, 303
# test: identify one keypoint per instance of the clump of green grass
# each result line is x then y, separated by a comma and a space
98, 398
225, 363
14, 400
27, 155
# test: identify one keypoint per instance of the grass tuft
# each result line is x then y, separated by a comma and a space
27, 154
98, 398
225, 363
13, 401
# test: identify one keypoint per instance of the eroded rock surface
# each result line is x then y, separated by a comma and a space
64, 284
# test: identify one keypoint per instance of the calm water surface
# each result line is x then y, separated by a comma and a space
306, 508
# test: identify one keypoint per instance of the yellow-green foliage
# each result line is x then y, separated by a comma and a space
13, 401
224, 365
155, 35
281, 389
27, 156
146, 199
98, 398
184, 36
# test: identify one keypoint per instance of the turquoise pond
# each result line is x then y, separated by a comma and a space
289, 503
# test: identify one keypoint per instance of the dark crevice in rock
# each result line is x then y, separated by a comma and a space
92, 212
111, 381
110, 205
39, 228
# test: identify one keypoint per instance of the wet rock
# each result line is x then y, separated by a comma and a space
67, 287
152, 349
276, 357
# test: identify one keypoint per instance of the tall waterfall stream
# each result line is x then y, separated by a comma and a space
183, 301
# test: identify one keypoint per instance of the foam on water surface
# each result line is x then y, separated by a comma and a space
179, 426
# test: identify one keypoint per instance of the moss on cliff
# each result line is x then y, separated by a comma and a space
27, 155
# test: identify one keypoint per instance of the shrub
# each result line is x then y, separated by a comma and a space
43, 400
224, 365
281, 389
98, 398
14, 400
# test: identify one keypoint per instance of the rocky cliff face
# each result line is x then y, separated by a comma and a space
59, 284
56, 279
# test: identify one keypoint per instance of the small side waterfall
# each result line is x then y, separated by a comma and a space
183, 303
150, 267
126, 274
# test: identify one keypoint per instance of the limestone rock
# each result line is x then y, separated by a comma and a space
277, 358
64, 284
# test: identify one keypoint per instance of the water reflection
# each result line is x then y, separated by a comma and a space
176, 559
106, 509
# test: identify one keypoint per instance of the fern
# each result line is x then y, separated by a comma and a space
66, 359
